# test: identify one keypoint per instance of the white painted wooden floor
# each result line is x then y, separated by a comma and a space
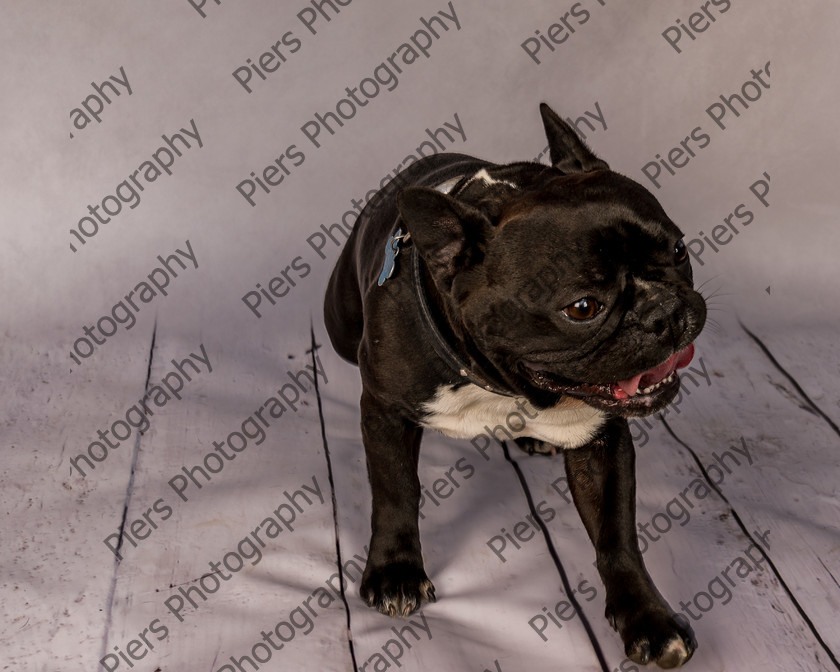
748, 454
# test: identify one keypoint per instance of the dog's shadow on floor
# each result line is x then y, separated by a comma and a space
468, 497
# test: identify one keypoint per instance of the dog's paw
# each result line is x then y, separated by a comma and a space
397, 589
535, 446
656, 637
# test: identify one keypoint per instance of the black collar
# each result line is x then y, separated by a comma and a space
440, 344
392, 249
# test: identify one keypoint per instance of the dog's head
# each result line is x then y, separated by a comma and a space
568, 279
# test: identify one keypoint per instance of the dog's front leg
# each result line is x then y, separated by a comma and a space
603, 484
394, 580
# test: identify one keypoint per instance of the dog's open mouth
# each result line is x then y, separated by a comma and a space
645, 392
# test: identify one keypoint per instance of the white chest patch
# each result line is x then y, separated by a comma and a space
468, 411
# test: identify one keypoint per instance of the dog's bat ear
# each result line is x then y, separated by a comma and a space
449, 235
569, 154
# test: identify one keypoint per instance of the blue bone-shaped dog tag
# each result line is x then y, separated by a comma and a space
392, 249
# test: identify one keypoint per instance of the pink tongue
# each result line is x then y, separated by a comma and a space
652, 376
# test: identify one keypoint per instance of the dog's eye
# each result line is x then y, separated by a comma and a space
680, 252
583, 309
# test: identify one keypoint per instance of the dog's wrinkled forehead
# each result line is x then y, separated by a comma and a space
600, 215
602, 201
615, 194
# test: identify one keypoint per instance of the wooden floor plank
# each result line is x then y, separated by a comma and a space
56, 581
789, 489
812, 358
265, 518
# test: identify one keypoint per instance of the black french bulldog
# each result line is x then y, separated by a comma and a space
565, 287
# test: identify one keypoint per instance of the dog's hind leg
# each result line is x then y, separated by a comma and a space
343, 309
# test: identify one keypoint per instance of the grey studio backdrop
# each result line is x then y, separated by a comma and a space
178, 178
